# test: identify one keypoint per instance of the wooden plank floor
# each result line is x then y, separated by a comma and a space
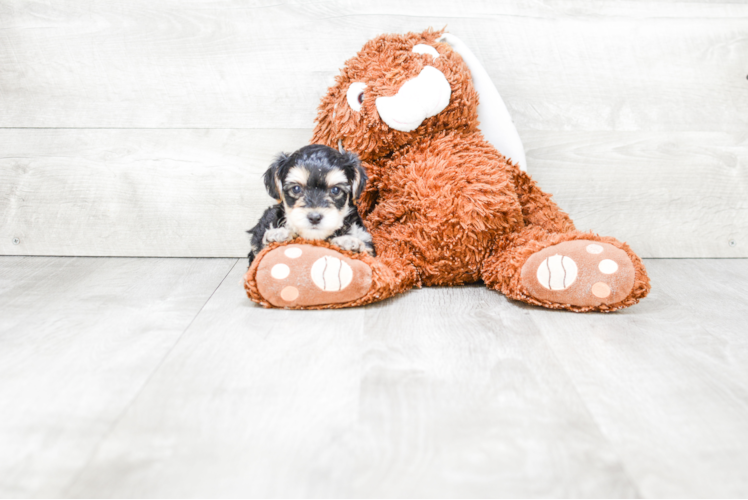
157, 377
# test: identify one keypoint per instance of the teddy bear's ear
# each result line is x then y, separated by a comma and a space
272, 182
495, 123
432, 34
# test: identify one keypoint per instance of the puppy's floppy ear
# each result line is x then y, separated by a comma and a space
359, 174
272, 182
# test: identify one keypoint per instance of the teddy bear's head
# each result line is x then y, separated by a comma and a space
398, 87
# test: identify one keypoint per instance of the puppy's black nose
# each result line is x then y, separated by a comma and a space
314, 217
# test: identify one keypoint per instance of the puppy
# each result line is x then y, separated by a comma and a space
317, 188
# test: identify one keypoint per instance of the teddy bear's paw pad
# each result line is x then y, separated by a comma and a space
306, 275
579, 273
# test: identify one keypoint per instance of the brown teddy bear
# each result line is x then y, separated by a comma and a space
443, 206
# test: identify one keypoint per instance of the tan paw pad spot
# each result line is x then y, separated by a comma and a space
290, 293
600, 290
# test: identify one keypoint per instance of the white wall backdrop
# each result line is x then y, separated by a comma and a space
142, 128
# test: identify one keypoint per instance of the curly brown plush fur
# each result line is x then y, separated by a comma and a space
442, 205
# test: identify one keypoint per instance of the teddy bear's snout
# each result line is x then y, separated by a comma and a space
419, 98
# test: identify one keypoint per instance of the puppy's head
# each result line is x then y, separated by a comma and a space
318, 187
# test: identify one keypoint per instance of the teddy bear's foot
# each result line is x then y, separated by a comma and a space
579, 273
296, 276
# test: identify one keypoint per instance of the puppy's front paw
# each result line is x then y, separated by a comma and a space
350, 243
277, 234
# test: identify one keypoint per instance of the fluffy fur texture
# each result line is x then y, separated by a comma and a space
317, 188
443, 206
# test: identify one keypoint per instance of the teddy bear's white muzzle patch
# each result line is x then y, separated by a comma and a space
419, 98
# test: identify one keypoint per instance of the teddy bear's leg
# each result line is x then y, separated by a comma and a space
316, 275
573, 270
538, 209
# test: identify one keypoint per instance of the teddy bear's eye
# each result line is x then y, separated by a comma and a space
426, 49
355, 95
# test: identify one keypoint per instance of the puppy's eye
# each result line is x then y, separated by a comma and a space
355, 95
296, 190
335, 191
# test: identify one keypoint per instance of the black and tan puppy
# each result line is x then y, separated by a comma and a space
317, 188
